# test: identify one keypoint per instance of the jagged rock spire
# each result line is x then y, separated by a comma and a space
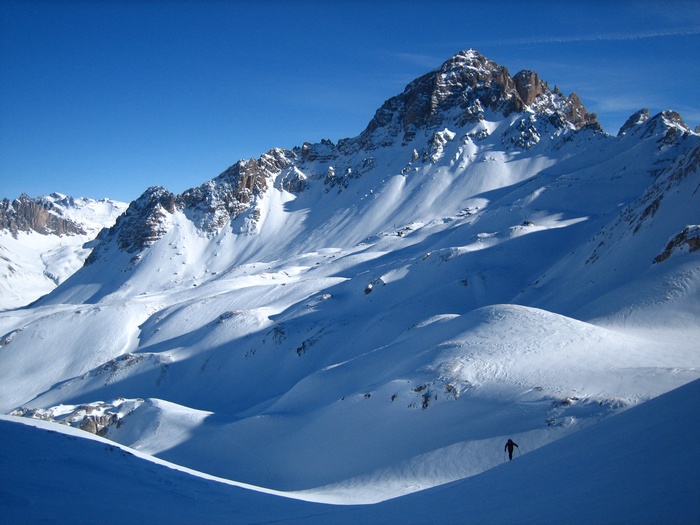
529, 86
462, 89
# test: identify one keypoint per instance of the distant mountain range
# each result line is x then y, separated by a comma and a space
44, 240
363, 319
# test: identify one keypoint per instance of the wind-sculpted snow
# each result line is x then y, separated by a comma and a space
366, 319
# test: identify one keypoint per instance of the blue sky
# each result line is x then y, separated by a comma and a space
106, 98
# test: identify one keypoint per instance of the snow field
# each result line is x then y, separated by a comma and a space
637, 468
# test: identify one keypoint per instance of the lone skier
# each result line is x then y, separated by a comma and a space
509, 447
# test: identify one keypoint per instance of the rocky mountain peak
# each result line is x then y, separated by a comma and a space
460, 91
635, 119
216, 202
668, 125
467, 88
142, 223
673, 118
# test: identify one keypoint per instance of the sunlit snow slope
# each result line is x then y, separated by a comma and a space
636, 468
366, 319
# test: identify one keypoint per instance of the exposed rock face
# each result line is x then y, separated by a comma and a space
668, 124
208, 206
462, 89
143, 222
98, 424
529, 86
216, 202
635, 119
96, 418
468, 81
575, 113
690, 237
674, 118
27, 214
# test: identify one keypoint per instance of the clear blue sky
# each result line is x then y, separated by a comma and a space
106, 98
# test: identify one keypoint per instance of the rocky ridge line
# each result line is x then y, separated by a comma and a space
462, 91
25, 214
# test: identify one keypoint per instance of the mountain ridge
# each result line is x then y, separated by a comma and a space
468, 82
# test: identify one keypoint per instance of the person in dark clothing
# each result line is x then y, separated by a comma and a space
509, 447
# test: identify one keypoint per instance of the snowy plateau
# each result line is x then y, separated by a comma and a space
350, 332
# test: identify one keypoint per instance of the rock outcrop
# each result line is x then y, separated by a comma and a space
529, 86
217, 201
635, 119
26, 214
461, 90
209, 206
145, 220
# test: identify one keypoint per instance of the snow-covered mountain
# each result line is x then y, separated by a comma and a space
362, 320
45, 240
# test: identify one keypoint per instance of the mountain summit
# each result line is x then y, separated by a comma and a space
463, 89
367, 318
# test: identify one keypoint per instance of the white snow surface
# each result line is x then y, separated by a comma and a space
638, 467
356, 343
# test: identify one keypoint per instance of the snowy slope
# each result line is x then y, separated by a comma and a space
636, 468
32, 263
366, 319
